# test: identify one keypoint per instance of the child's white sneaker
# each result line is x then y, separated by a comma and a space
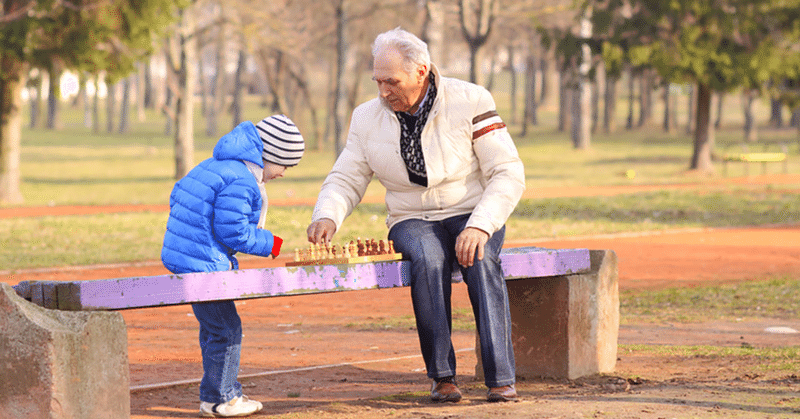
236, 407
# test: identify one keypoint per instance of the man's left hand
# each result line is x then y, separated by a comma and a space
470, 240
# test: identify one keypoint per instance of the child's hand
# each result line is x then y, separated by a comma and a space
276, 246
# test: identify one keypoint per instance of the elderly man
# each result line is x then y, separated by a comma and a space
452, 177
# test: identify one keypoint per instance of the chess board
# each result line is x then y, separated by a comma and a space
369, 251
343, 261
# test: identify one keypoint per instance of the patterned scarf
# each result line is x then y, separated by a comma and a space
410, 137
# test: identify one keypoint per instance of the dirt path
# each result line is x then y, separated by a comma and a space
317, 355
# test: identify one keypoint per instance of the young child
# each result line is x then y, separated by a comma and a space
215, 212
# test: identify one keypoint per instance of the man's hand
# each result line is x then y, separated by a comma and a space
470, 240
321, 231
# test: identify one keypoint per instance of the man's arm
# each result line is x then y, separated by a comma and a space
342, 190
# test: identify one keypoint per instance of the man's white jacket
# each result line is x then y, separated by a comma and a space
471, 161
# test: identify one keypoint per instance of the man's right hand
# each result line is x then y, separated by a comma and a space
321, 231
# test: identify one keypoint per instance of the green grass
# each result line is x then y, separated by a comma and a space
783, 359
775, 298
75, 166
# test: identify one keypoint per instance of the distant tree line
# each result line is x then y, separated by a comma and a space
308, 59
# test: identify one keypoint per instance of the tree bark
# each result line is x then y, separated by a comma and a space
184, 105
610, 106
531, 98
339, 94
704, 132
54, 97
433, 28
11, 85
776, 113
111, 103
750, 129
238, 87
512, 69
35, 99
125, 106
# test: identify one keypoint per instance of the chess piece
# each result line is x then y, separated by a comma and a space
296, 254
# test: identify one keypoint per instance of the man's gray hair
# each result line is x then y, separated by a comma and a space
413, 50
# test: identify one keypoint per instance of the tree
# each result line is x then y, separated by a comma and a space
476, 17
718, 45
80, 35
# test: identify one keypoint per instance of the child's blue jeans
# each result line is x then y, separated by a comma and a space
221, 347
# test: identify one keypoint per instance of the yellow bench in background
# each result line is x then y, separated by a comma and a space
765, 156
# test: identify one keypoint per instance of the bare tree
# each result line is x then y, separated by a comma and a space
476, 18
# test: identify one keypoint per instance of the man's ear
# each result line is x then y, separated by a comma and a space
421, 70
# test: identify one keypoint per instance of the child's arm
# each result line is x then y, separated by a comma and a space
236, 212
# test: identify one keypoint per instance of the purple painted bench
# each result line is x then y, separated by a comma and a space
564, 303
163, 290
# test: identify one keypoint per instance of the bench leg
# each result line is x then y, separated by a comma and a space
64, 364
566, 326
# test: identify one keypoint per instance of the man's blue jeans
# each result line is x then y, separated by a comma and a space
221, 347
430, 245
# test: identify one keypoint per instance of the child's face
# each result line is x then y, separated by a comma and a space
272, 171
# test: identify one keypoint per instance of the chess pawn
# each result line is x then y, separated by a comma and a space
382, 248
296, 254
311, 254
391, 247
346, 252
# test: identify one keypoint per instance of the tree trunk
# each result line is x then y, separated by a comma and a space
512, 69
238, 87
667, 123
125, 108
531, 98
583, 126
691, 114
776, 113
720, 101
96, 106
339, 94
631, 98
610, 106
433, 29
111, 103
704, 132
476, 32
87, 106
140, 114
564, 103
750, 129
11, 86
550, 92
646, 98
218, 93
184, 106
35, 99
54, 98
147, 88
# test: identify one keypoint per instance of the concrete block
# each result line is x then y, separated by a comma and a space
60, 364
565, 326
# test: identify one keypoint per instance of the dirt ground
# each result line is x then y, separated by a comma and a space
321, 356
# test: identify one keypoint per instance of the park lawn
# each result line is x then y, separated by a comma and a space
75, 166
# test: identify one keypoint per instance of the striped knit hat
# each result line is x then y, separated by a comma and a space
283, 144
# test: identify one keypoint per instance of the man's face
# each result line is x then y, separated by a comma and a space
398, 89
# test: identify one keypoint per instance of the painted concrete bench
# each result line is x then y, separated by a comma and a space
564, 303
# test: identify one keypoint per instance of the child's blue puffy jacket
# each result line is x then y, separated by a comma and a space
214, 209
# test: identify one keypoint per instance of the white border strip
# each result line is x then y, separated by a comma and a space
145, 387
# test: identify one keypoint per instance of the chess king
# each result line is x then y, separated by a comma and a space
452, 177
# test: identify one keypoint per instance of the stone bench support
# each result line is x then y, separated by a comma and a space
565, 326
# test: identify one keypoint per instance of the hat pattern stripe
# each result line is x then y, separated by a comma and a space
283, 143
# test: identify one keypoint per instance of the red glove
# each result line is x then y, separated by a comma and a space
276, 246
